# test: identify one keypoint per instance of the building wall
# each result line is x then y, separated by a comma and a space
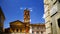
18, 26
47, 8
16, 33
54, 18
52, 8
56, 29
2, 18
37, 29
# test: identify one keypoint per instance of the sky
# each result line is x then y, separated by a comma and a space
13, 10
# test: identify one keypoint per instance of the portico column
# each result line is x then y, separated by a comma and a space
11, 30
34, 32
15, 30
18, 30
40, 32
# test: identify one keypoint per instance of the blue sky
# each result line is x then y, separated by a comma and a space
13, 10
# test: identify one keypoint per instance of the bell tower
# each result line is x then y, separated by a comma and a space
26, 16
27, 19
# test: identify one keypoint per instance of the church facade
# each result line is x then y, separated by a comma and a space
19, 26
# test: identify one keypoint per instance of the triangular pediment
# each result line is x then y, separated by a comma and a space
17, 23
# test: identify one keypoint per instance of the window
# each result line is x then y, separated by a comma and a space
51, 24
41, 32
32, 32
37, 32
33, 27
51, 28
37, 27
59, 22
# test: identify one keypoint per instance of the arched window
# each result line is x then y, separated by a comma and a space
32, 32
59, 22
37, 32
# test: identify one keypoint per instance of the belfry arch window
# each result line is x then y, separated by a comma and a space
59, 22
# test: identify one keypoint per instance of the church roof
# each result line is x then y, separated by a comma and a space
17, 22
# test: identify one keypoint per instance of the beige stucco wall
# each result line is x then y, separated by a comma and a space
48, 4
47, 7
34, 29
56, 29
54, 18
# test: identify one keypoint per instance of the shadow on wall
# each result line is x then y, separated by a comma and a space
6, 33
59, 22
59, 1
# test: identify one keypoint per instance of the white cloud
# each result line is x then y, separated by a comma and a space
21, 8
31, 10
43, 16
30, 20
23, 20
